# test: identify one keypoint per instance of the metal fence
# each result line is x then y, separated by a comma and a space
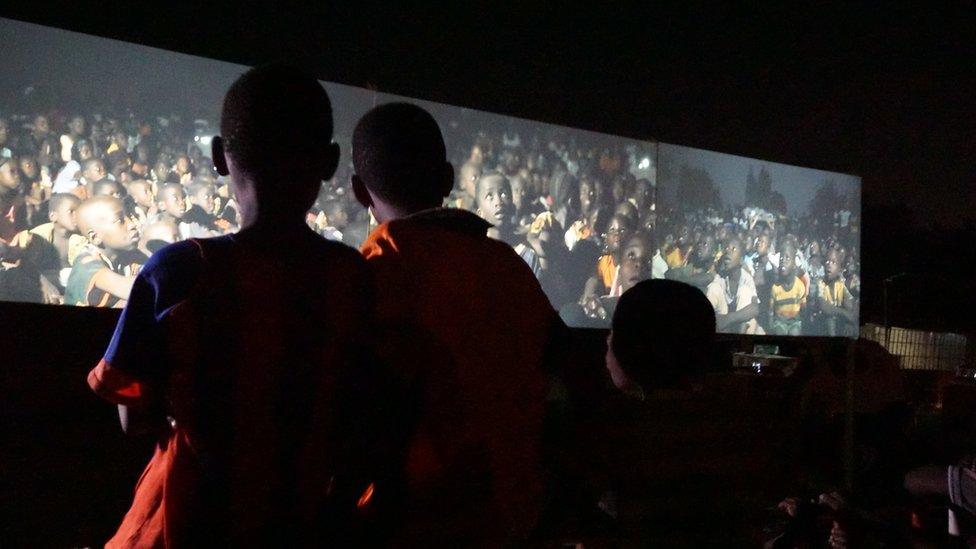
918, 349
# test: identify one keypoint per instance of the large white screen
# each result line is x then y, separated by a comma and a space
591, 213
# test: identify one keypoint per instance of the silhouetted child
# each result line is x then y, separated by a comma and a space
99, 275
467, 325
246, 343
665, 451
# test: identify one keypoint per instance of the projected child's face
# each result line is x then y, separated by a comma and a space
85, 151
732, 256
64, 215
28, 167
9, 176
95, 171
182, 165
616, 233
495, 201
469, 178
174, 201
832, 265
477, 154
115, 229
517, 184
762, 244
162, 170
703, 252
141, 193
787, 265
634, 263
205, 199
77, 125
587, 195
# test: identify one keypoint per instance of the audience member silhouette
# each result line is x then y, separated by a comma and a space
238, 352
466, 328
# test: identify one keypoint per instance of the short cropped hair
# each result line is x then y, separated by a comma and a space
99, 186
663, 333
398, 152
59, 198
492, 174
198, 184
272, 114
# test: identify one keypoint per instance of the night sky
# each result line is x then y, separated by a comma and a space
883, 93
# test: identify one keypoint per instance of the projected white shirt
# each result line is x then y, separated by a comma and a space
723, 300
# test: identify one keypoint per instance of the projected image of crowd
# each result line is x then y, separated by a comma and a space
86, 200
766, 268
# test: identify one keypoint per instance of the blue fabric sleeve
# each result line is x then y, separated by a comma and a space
137, 347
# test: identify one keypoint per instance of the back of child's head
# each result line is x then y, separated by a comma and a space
198, 184
275, 118
663, 331
106, 187
398, 153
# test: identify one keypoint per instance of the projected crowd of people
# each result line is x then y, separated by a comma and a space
767, 273
88, 198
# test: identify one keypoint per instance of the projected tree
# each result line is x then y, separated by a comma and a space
697, 190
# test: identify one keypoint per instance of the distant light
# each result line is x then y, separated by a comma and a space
196, 138
644, 163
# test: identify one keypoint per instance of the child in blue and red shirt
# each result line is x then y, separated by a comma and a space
242, 352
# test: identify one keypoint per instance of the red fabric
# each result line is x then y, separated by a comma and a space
160, 495
116, 386
467, 323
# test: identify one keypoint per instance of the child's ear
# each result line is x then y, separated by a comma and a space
217, 152
360, 192
51, 215
94, 238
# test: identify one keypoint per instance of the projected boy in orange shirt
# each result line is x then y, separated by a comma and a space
788, 296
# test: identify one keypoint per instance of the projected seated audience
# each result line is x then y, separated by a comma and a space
594, 190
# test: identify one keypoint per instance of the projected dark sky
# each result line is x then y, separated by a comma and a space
886, 94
